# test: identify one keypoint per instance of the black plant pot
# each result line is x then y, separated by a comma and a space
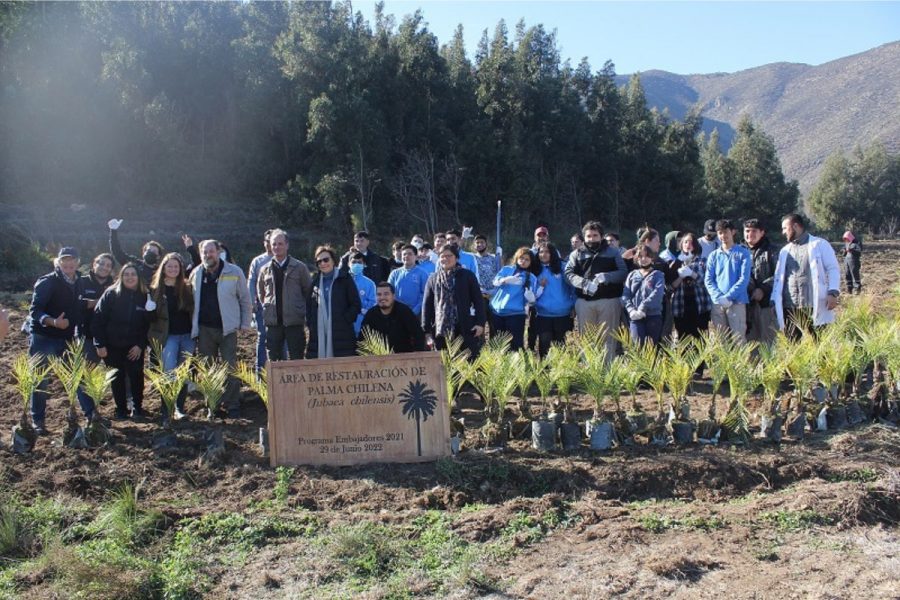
772, 432
637, 422
797, 426
602, 434
570, 436
855, 414
23, 439
837, 417
543, 435
683, 432
707, 430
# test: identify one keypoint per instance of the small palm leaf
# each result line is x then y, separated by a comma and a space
374, 344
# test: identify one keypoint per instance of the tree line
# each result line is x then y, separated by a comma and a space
334, 122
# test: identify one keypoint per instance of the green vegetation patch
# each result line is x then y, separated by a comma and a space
657, 523
796, 520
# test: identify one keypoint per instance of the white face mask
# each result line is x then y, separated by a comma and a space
417, 244
223, 255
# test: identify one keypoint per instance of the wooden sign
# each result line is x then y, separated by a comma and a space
362, 409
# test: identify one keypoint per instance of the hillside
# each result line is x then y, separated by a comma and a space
810, 111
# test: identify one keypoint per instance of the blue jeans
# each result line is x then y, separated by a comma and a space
49, 346
650, 327
176, 350
261, 339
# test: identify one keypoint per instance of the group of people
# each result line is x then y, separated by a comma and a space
423, 295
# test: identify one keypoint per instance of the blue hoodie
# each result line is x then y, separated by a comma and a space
409, 285
728, 274
509, 299
557, 297
644, 292
366, 288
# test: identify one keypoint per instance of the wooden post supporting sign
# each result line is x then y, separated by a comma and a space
365, 409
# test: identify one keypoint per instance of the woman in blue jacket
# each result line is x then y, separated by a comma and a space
516, 288
642, 297
555, 300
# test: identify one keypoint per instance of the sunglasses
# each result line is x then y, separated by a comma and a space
323, 261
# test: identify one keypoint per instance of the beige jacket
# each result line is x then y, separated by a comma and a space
297, 286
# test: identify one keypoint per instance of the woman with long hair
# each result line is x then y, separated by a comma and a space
331, 309
516, 286
170, 319
120, 334
555, 299
691, 303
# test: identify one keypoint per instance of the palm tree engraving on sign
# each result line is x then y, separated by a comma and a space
418, 402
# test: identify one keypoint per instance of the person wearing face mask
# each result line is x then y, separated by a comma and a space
409, 281
221, 309
761, 325
55, 311
597, 272
642, 297
150, 253
90, 287
364, 286
690, 300
170, 310
120, 324
516, 291
727, 278
331, 309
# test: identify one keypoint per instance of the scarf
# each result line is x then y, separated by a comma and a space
446, 314
323, 316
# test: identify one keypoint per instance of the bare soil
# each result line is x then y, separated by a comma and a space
814, 519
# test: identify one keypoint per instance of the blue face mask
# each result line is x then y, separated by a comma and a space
357, 268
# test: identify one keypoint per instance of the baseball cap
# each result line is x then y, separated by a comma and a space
709, 226
67, 251
542, 230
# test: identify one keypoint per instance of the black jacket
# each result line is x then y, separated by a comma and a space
120, 320
89, 288
378, 268
762, 275
467, 295
345, 307
145, 270
586, 263
53, 296
400, 327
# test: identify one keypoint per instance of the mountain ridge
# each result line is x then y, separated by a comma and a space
811, 111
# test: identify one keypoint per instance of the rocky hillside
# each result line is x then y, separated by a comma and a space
810, 111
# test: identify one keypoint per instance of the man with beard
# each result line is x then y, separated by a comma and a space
760, 312
151, 252
222, 307
395, 321
488, 266
807, 280
597, 272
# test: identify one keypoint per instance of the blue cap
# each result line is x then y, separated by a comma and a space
67, 251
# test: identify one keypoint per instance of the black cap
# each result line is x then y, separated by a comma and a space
709, 226
67, 251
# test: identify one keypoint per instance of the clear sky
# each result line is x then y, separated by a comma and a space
681, 37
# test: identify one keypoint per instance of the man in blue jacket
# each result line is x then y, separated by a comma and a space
409, 280
727, 277
55, 310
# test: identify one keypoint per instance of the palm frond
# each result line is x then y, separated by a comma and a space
373, 344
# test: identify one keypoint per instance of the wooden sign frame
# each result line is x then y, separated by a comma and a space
357, 410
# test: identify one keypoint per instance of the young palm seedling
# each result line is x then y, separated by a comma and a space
834, 364
680, 362
169, 385
456, 369
800, 366
742, 382
96, 383
655, 377
536, 370
770, 373
373, 344
878, 344
29, 372
69, 369
259, 384
212, 377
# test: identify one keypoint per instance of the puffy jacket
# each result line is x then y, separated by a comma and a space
378, 268
120, 320
234, 299
53, 296
762, 275
345, 307
586, 263
295, 289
